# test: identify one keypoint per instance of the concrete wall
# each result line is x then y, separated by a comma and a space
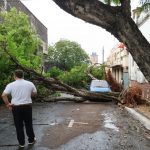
145, 87
145, 28
134, 71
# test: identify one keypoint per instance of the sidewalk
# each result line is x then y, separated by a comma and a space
145, 121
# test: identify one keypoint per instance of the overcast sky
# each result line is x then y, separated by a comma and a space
62, 25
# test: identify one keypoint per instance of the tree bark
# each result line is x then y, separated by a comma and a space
116, 20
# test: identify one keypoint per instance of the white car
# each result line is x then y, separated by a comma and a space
99, 86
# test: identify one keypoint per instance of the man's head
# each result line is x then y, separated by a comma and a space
19, 74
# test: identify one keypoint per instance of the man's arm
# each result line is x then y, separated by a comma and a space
33, 93
34, 90
6, 101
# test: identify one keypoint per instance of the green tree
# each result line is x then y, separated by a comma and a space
54, 72
76, 77
118, 21
109, 2
98, 72
20, 40
66, 54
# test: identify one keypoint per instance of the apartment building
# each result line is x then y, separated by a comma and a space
94, 58
118, 63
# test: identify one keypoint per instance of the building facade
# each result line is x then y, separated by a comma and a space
94, 58
118, 63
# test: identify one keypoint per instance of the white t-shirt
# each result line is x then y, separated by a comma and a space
20, 91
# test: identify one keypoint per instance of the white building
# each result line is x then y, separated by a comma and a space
118, 62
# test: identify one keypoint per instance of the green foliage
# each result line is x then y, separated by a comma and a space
76, 77
20, 40
42, 91
109, 2
55, 94
145, 6
66, 54
99, 72
54, 72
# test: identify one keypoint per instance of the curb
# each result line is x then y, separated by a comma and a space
144, 120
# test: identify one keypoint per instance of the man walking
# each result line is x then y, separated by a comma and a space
21, 91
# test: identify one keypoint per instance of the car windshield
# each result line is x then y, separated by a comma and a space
99, 83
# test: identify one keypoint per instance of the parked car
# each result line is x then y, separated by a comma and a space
99, 86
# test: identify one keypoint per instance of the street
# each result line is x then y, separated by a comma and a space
77, 126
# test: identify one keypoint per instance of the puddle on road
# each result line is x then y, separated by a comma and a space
109, 120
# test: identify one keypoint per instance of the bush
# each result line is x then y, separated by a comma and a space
54, 72
98, 72
76, 77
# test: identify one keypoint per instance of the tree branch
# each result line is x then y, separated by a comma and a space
92, 11
126, 7
117, 21
59, 86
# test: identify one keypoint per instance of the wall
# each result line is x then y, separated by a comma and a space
145, 28
145, 87
134, 72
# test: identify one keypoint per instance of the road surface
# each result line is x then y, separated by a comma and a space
78, 126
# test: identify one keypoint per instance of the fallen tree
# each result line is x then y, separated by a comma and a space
56, 85
78, 95
88, 72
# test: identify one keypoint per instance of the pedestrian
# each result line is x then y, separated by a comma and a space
21, 105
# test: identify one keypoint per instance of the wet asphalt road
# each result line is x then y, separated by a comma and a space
74, 126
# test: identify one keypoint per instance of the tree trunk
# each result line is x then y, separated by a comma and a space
136, 44
116, 20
